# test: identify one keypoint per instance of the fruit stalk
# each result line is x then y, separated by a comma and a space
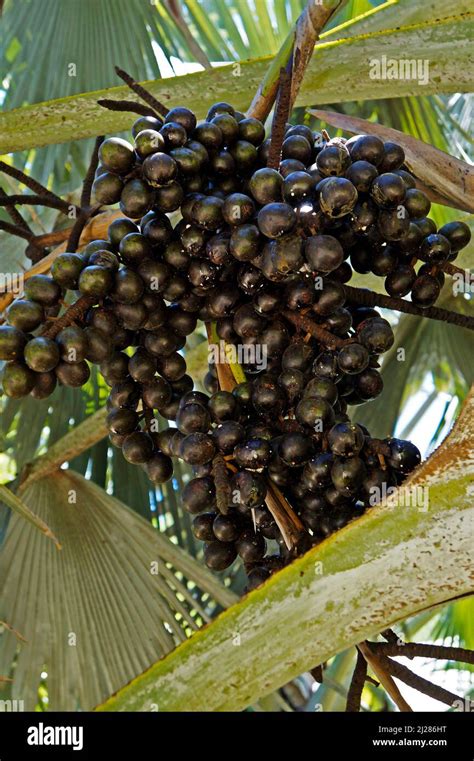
366, 298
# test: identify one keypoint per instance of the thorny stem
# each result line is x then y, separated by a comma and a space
142, 92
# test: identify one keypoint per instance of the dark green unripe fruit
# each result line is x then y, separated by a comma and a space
96, 281
149, 141
66, 269
265, 185
75, 375
276, 219
219, 555
244, 155
25, 315
228, 125
366, 148
220, 108
45, 383
244, 242
134, 247
252, 130
362, 174
209, 135
116, 155
222, 163
207, 213
417, 203
337, 196
323, 253
119, 228
159, 169
187, 161
42, 289
145, 123
159, 468
107, 188
41, 354
12, 342
169, 197
136, 198
17, 380
72, 343
388, 190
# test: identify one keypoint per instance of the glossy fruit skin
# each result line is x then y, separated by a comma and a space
137, 448
276, 219
435, 248
404, 456
346, 439
369, 148
457, 233
388, 190
116, 155
159, 468
400, 281
265, 186
425, 291
95, 281
323, 253
337, 196
353, 358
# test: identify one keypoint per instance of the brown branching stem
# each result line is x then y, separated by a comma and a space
380, 669
32, 199
29, 182
359, 676
364, 297
73, 314
17, 230
127, 105
89, 178
305, 324
423, 650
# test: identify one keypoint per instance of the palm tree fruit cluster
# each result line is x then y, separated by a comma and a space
210, 233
